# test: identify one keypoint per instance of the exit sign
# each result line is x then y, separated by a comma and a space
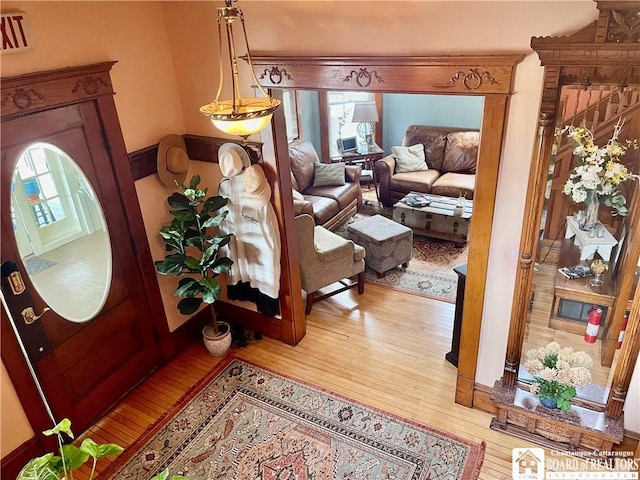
15, 34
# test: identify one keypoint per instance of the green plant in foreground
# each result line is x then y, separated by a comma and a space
164, 475
54, 467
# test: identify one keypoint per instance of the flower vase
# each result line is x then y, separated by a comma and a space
590, 217
547, 402
596, 281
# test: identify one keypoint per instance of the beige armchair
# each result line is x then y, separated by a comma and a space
326, 258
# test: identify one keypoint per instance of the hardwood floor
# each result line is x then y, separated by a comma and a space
384, 348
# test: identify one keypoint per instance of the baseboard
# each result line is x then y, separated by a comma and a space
482, 399
13, 462
188, 332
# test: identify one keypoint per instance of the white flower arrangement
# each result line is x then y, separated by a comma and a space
558, 372
599, 174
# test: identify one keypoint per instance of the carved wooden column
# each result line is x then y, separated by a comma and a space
628, 354
528, 244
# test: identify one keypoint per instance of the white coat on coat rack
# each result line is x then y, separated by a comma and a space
255, 245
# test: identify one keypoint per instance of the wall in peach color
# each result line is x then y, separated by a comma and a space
151, 193
133, 33
75, 33
15, 425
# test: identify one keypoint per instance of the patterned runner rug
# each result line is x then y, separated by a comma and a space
430, 272
247, 422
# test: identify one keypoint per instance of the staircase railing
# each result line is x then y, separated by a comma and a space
598, 109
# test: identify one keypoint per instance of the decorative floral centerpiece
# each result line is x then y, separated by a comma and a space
599, 174
557, 373
598, 266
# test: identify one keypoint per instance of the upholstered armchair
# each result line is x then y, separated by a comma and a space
326, 258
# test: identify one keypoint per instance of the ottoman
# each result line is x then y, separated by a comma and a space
387, 243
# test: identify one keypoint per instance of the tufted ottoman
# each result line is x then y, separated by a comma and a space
387, 243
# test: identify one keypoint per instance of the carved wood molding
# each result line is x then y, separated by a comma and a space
612, 39
34, 92
474, 75
619, 22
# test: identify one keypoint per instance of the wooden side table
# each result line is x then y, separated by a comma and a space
367, 160
579, 290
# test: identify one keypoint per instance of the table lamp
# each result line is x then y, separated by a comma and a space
366, 114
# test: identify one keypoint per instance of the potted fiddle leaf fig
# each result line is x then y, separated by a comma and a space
193, 245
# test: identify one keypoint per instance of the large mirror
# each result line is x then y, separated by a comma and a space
591, 80
61, 232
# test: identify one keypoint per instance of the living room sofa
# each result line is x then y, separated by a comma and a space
451, 156
329, 203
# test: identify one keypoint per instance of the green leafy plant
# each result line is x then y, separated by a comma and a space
193, 247
164, 475
54, 467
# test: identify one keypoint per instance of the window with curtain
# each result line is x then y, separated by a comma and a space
290, 105
340, 106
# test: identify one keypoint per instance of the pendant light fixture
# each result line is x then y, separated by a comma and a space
237, 116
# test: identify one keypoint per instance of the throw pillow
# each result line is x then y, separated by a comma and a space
328, 174
297, 195
409, 159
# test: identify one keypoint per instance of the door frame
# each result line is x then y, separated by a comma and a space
36, 92
489, 76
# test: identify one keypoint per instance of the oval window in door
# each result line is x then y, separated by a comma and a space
61, 232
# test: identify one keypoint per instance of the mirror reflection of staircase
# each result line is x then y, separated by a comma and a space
598, 109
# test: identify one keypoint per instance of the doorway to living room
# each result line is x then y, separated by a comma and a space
487, 76
329, 119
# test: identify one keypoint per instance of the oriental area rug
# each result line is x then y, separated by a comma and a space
430, 271
247, 422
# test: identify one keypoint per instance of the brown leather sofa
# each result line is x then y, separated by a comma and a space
328, 205
451, 155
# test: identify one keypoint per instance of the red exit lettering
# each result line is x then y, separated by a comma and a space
14, 32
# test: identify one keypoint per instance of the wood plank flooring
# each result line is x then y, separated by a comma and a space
384, 348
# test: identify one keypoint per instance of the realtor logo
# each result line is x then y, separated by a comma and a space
528, 463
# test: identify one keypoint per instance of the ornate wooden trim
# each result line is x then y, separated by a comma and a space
478, 75
34, 92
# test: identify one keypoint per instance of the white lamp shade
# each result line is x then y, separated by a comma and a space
365, 112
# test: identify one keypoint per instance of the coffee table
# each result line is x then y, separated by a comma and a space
439, 219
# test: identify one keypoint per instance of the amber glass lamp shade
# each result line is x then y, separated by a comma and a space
237, 116
248, 116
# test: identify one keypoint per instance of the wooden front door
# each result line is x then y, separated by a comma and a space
83, 367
